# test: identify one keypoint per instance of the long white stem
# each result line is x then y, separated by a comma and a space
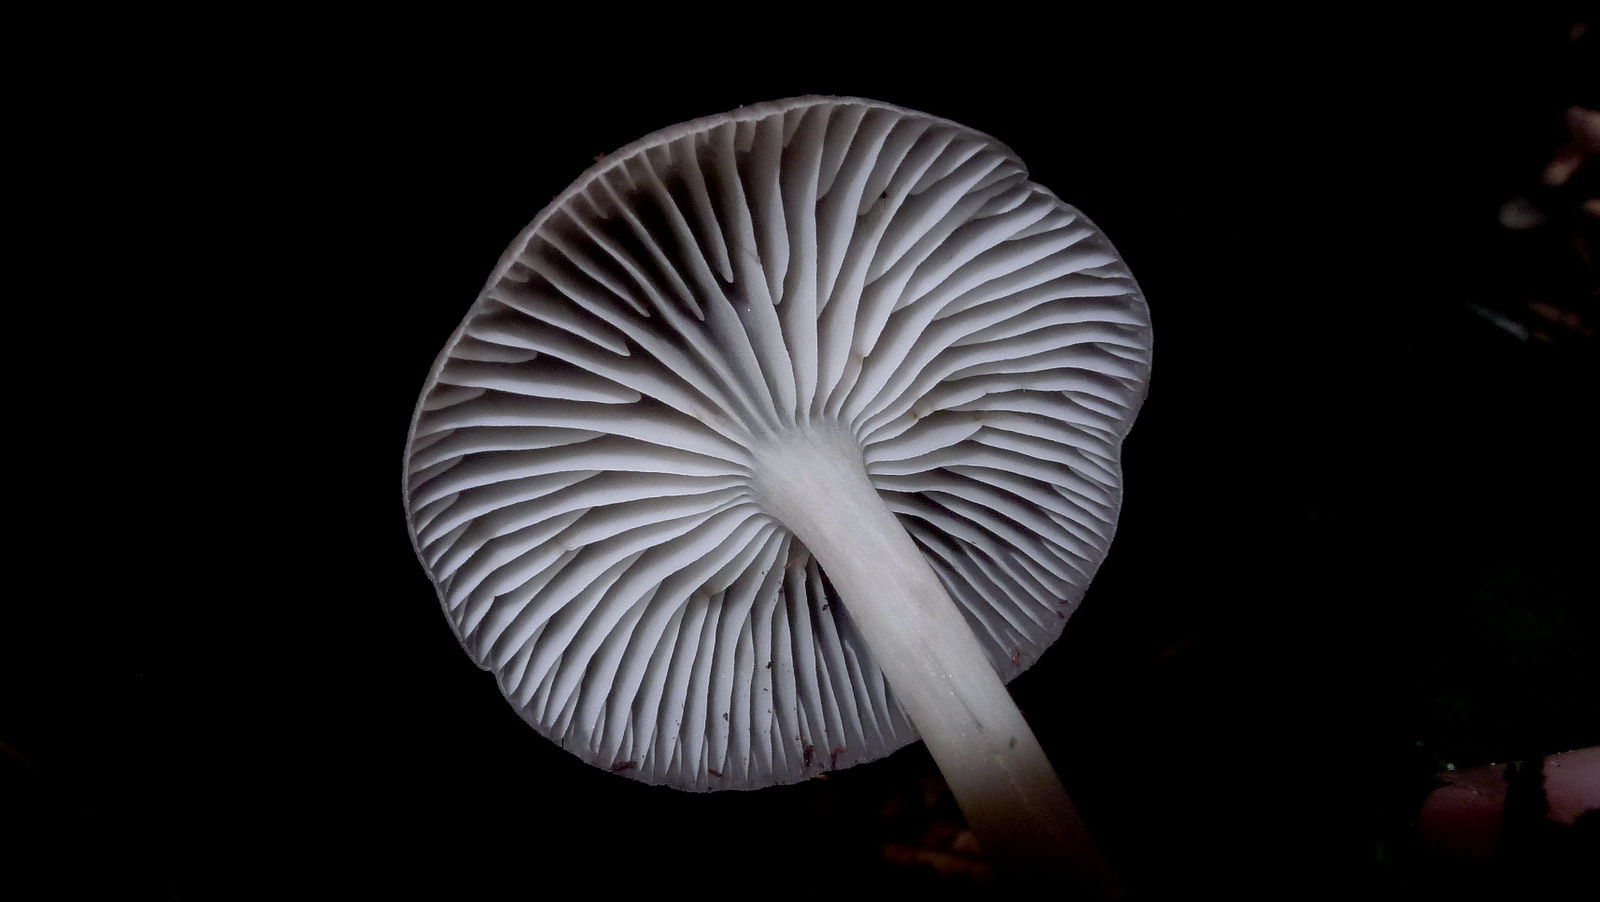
814, 481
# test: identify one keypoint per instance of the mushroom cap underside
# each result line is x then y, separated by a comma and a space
579, 472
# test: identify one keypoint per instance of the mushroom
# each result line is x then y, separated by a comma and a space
781, 439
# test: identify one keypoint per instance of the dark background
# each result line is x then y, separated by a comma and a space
1357, 546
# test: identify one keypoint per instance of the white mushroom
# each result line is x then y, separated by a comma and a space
780, 439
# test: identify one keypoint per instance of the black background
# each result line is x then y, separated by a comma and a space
1357, 543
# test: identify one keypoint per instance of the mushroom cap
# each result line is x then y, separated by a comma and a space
578, 474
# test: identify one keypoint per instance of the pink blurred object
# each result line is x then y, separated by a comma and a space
1572, 785
1463, 817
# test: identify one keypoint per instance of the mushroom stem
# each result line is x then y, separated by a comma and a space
814, 481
